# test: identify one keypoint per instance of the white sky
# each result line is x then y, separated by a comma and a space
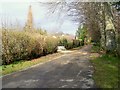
17, 12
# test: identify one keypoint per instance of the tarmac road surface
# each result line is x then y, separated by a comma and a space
72, 70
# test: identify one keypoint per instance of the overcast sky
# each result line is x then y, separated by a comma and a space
18, 11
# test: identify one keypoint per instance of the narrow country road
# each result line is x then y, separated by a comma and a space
73, 70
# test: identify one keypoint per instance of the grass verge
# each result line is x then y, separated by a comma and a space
19, 65
106, 73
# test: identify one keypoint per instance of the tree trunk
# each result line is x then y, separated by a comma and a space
110, 30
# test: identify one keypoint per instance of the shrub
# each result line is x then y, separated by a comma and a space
63, 42
23, 45
50, 45
16, 46
20, 45
76, 43
37, 50
69, 43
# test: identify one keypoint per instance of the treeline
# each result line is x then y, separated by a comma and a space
101, 25
25, 45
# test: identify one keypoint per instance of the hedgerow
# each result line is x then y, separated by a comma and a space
23, 45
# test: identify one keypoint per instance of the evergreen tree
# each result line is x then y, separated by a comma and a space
29, 23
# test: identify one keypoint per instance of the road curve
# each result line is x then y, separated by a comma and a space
73, 70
